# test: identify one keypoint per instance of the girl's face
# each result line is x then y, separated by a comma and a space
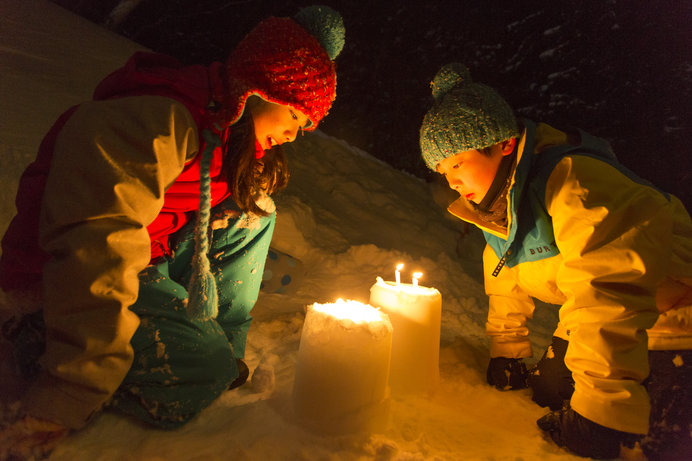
471, 173
275, 123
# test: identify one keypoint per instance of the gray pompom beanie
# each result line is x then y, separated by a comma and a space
465, 116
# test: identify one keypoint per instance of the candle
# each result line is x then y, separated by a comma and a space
397, 273
416, 313
341, 382
416, 276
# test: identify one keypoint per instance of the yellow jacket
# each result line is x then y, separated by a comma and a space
624, 254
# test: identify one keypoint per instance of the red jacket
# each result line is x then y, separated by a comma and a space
144, 74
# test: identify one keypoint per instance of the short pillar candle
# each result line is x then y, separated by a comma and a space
416, 313
341, 382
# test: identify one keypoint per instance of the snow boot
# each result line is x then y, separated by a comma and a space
243, 374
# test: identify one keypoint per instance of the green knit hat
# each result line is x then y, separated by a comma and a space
465, 116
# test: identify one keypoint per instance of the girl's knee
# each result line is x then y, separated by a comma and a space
186, 378
205, 356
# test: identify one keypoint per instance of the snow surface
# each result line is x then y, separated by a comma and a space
349, 218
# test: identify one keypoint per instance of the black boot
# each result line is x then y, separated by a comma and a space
243, 374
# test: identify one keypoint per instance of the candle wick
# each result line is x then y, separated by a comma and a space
416, 276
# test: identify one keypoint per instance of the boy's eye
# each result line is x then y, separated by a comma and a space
294, 116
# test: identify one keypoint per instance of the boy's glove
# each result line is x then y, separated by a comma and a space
583, 437
550, 379
506, 374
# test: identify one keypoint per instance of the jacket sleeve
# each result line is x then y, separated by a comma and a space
614, 235
509, 309
112, 163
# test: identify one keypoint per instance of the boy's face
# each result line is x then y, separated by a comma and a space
471, 173
275, 123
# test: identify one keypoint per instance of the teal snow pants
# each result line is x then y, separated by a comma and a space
182, 365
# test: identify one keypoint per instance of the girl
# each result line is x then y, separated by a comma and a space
143, 225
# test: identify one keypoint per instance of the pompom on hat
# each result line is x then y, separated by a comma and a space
465, 116
288, 61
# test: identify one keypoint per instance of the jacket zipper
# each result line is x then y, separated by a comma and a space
501, 264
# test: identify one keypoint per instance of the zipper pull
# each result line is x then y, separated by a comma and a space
501, 264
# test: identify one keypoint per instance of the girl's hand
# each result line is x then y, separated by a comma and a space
29, 438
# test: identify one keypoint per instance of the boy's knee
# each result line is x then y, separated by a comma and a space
551, 380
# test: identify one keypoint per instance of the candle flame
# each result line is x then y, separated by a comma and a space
416, 276
399, 266
350, 310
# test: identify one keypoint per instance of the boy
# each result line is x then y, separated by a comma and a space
567, 224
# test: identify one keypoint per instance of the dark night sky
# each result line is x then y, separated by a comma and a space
618, 69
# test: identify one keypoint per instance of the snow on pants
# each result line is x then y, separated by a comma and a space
182, 365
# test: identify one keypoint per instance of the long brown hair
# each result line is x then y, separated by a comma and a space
248, 176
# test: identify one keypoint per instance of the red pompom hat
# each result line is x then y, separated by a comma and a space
281, 61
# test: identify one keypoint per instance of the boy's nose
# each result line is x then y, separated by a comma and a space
454, 184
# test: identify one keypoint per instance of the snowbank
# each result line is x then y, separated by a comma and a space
349, 218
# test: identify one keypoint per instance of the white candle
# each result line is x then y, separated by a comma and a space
341, 382
416, 276
397, 273
415, 313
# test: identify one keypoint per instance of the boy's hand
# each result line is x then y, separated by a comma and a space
582, 436
29, 438
507, 374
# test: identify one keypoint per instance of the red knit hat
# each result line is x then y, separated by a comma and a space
280, 61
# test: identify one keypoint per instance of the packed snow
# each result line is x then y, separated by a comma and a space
349, 218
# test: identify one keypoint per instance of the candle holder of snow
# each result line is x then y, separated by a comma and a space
343, 367
416, 313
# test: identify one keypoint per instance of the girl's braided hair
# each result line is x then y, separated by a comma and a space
248, 176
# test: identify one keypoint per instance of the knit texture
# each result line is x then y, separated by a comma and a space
326, 25
282, 62
202, 296
465, 116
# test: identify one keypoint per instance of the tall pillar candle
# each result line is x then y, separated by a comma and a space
341, 382
415, 313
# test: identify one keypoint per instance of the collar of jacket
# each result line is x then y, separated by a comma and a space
535, 138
